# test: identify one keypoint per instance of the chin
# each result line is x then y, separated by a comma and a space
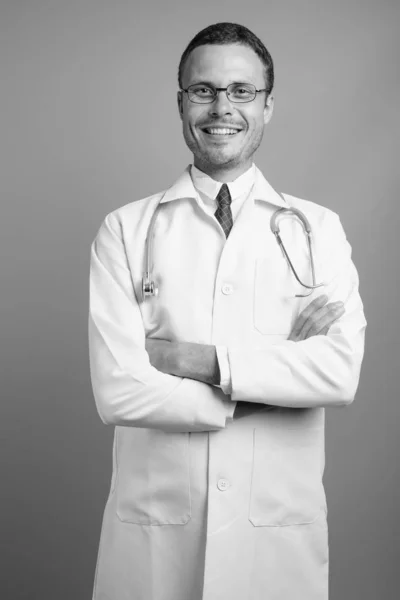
220, 159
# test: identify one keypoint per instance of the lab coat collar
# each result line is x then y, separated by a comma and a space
184, 188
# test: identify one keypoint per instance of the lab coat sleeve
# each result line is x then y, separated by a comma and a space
128, 390
224, 370
321, 370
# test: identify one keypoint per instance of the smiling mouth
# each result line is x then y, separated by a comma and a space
221, 131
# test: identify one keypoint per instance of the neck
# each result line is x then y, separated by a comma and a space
222, 173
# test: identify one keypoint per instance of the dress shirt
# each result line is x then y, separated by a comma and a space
207, 189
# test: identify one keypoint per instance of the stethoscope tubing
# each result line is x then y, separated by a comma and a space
307, 229
149, 287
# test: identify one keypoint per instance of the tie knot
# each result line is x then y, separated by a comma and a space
224, 197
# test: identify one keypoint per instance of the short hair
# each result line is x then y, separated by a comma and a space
230, 33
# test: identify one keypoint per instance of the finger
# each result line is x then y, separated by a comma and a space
324, 331
305, 318
154, 341
324, 318
316, 304
320, 318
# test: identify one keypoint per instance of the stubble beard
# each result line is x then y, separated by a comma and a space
216, 160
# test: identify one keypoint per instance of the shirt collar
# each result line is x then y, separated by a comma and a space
210, 187
262, 190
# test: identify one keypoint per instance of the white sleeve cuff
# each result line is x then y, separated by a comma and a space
224, 368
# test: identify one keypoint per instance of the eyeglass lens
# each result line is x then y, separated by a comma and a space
236, 92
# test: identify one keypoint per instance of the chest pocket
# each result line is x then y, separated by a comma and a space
153, 477
288, 464
274, 300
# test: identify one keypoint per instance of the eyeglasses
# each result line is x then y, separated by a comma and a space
205, 93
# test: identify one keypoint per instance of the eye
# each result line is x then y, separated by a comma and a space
202, 90
242, 90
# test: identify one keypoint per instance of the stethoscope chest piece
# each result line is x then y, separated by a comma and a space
149, 287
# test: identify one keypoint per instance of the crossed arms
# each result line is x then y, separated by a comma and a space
137, 383
199, 361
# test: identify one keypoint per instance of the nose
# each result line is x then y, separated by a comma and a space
221, 105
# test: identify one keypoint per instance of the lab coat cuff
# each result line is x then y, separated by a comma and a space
224, 368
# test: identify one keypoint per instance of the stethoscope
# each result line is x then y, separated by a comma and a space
307, 230
150, 288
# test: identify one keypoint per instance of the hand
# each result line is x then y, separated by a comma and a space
316, 319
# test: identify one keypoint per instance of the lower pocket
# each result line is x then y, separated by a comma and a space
153, 477
286, 485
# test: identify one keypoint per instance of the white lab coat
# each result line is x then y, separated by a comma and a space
203, 505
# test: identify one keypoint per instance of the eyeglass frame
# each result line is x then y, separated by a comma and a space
219, 89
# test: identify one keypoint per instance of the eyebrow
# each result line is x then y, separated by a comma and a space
213, 85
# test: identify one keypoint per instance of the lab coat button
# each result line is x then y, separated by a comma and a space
227, 288
222, 484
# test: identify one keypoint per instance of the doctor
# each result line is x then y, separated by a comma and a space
217, 386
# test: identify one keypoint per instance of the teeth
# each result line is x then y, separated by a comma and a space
220, 131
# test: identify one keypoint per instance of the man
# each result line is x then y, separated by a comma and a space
217, 385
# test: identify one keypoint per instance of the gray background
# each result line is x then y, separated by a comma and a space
88, 122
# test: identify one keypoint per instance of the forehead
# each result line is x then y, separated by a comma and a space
222, 64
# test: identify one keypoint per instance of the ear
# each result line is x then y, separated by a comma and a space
268, 109
180, 104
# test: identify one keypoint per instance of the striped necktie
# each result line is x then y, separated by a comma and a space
223, 213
